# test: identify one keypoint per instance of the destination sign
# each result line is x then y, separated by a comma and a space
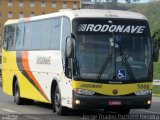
111, 28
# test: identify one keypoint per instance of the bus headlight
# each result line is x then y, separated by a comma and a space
83, 92
143, 92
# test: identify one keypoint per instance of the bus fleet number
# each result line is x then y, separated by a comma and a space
143, 86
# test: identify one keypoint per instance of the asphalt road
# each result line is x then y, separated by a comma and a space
40, 111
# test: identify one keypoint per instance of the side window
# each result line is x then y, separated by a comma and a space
5, 36
46, 34
66, 31
41, 34
9, 37
19, 36
36, 32
27, 38
55, 34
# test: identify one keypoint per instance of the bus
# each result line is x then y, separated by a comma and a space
80, 59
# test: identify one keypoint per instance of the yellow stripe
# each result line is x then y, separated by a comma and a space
107, 89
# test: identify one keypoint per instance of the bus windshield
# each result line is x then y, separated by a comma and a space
112, 54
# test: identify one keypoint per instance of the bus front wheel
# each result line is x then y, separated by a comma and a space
18, 100
59, 109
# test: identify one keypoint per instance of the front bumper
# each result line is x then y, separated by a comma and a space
101, 102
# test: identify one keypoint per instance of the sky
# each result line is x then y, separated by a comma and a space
141, 1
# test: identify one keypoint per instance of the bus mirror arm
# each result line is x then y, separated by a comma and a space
155, 52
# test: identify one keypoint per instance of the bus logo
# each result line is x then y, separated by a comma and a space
115, 91
82, 27
121, 74
111, 28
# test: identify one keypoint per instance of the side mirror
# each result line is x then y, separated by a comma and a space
69, 47
155, 52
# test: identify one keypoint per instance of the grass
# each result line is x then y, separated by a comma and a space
151, 11
156, 73
156, 67
156, 90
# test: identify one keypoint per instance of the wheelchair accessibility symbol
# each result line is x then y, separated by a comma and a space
121, 74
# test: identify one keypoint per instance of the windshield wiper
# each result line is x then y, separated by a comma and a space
104, 66
128, 67
77, 67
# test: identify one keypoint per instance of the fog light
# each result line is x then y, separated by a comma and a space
77, 102
148, 102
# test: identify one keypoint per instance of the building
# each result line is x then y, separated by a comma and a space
91, 4
87, 4
14, 9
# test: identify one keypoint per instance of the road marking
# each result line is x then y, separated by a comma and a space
32, 117
8, 110
149, 112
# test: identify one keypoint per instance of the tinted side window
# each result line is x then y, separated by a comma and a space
5, 38
19, 36
9, 37
41, 33
56, 33
36, 35
27, 38
66, 31
45, 34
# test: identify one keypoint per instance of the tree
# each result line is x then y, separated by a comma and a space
135, 1
156, 36
106, 4
128, 1
114, 1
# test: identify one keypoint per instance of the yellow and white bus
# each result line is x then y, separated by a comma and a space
79, 59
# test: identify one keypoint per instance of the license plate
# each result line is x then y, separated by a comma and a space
114, 102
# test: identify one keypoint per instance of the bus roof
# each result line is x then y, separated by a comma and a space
85, 13
12, 21
103, 13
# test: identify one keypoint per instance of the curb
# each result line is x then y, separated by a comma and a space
156, 82
156, 95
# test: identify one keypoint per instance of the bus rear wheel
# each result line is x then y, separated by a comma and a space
17, 99
59, 109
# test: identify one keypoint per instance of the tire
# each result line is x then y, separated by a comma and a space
59, 109
17, 99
